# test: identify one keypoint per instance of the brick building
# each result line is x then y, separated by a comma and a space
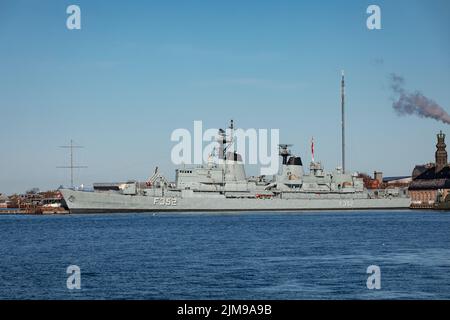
431, 183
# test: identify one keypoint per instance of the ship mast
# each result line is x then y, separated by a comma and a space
343, 120
71, 146
226, 141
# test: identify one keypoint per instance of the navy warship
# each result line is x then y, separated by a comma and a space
222, 185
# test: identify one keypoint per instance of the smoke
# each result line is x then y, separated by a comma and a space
408, 103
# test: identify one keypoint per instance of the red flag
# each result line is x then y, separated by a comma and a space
312, 148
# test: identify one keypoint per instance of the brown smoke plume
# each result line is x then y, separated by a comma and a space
407, 103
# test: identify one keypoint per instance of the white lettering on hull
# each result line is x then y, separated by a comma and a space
163, 201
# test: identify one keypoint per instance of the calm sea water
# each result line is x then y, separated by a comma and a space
317, 255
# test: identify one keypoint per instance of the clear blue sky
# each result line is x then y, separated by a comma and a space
139, 69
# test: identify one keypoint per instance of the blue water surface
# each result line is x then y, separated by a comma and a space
309, 255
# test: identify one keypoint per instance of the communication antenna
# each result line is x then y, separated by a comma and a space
71, 166
343, 119
231, 141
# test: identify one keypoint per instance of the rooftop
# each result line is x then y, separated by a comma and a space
432, 179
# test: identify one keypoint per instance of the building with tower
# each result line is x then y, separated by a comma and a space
430, 187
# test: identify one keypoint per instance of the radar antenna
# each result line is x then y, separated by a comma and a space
284, 151
226, 140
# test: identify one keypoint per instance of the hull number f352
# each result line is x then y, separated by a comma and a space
165, 201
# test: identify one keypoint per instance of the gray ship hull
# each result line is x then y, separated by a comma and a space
100, 202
